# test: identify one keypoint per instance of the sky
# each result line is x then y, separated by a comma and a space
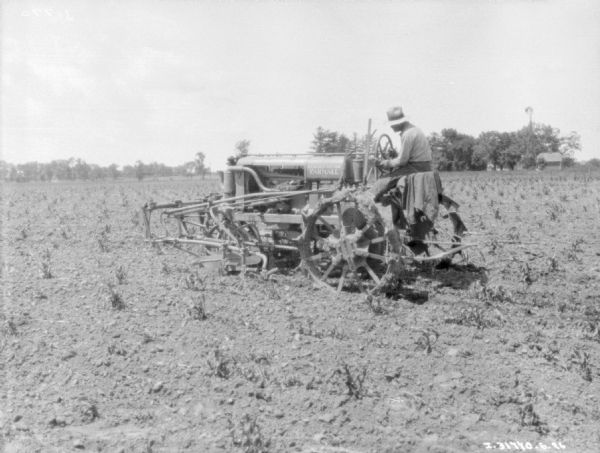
151, 80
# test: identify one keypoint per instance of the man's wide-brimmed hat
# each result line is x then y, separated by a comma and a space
396, 116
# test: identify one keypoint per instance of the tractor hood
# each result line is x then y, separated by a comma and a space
314, 166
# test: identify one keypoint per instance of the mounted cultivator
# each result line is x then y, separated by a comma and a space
317, 211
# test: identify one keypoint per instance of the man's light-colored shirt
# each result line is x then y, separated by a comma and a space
414, 147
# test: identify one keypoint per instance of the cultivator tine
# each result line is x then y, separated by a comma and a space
342, 278
459, 227
146, 212
442, 255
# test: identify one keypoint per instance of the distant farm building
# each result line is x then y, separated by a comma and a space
549, 160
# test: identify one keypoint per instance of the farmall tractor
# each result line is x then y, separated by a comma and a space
316, 211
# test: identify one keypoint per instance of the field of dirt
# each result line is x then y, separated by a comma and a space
111, 344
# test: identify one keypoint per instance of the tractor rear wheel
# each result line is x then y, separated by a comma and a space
355, 251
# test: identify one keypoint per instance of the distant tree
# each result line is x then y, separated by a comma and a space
593, 163
61, 169
546, 139
490, 146
81, 169
439, 151
242, 148
326, 141
452, 150
343, 144
14, 173
567, 162
511, 156
569, 144
5, 170
479, 159
200, 169
113, 171
462, 152
139, 170
189, 168
46, 172
29, 171
96, 172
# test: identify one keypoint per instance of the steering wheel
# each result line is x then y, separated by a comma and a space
384, 150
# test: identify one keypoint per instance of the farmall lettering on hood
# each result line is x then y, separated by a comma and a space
324, 170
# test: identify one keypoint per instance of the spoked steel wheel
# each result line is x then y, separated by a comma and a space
345, 244
444, 240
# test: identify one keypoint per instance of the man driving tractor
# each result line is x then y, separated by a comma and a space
414, 154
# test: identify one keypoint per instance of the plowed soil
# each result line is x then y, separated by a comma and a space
111, 344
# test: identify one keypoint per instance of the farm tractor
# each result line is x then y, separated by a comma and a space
317, 211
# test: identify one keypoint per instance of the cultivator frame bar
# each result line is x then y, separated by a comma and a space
213, 224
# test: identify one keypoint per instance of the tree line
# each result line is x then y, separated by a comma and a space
77, 169
456, 151
452, 151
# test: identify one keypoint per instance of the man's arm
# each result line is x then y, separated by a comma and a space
406, 144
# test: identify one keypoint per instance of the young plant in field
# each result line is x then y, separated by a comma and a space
271, 288
103, 242
248, 436
197, 307
527, 274
354, 381
471, 316
45, 264
580, 360
513, 234
554, 210
529, 418
135, 219
492, 293
552, 264
221, 366
23, 233
11, 327
120, 275
576, 245
374, 304
194, 282
427, 339
573, 249
115, 298
156, 246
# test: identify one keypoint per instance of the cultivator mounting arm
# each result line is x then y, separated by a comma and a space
240, 232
